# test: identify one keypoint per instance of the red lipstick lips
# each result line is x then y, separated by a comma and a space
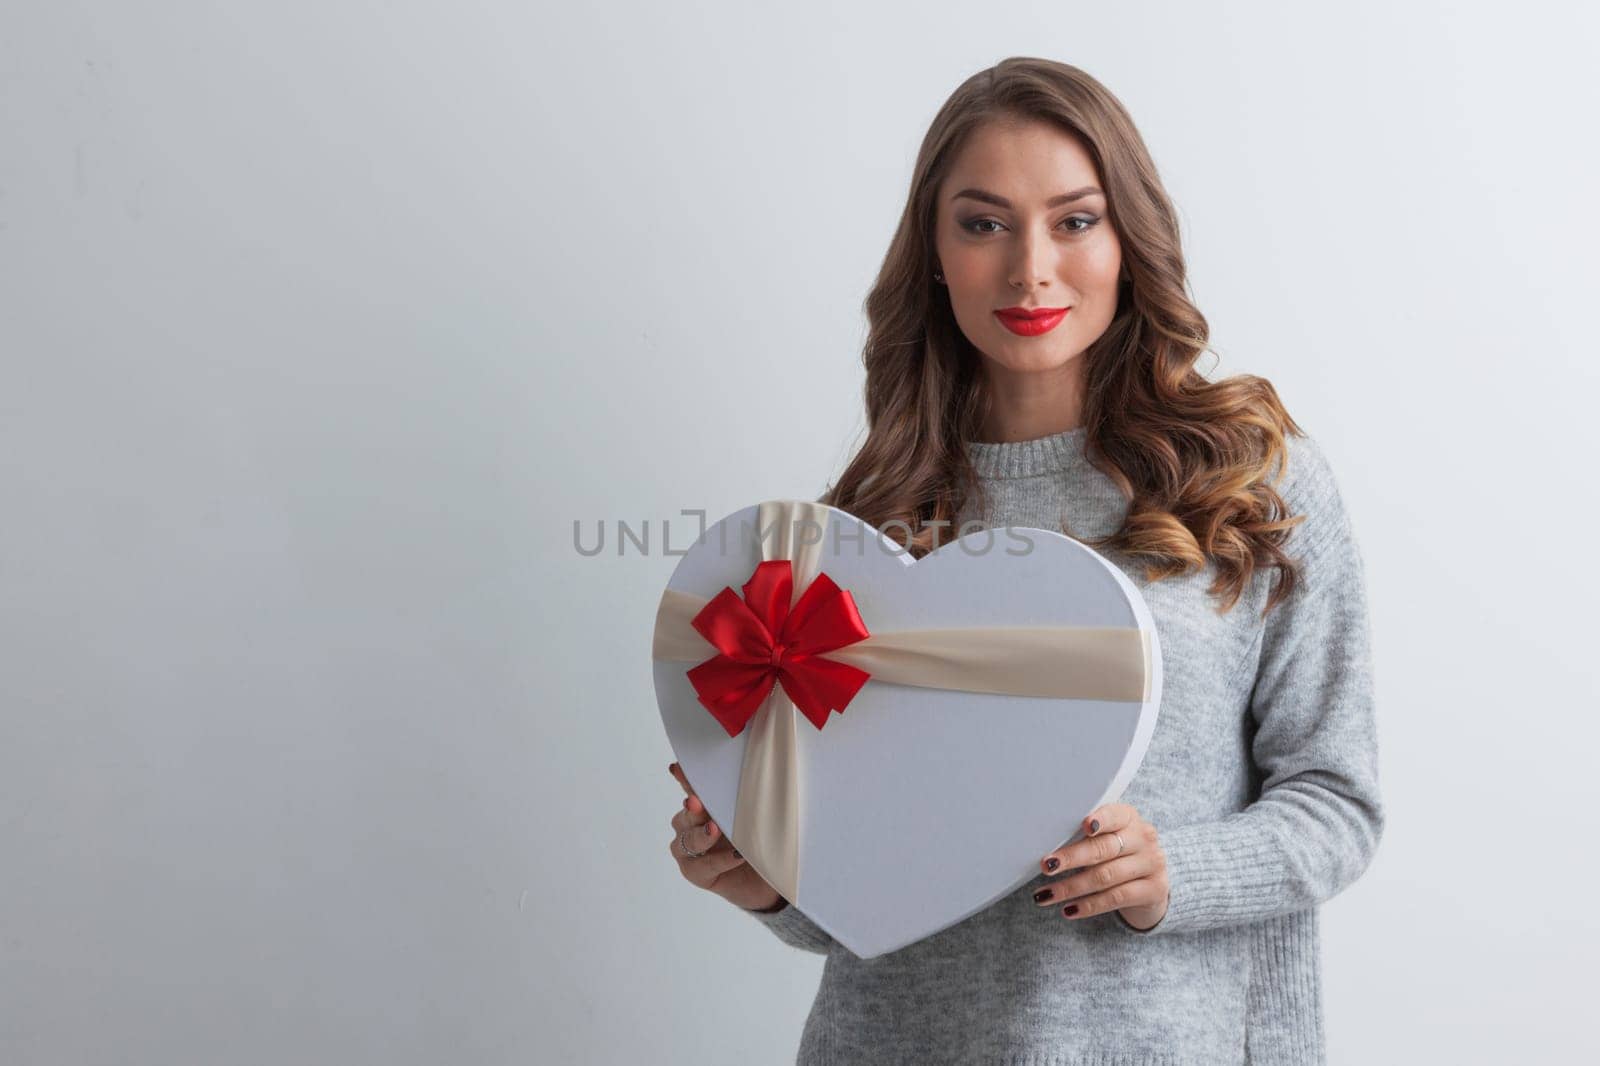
1031, 321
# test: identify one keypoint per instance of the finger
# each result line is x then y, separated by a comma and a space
702, 831
1109, 819
677, 773
707, 868
707, 839
1100, 845
1085, 852
693, 814
716, 863
724, 862
696, 809
1098, 878
692, 805
1144, 892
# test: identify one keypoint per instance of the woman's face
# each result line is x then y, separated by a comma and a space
1021, 223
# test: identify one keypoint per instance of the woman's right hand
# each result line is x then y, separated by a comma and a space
721, 869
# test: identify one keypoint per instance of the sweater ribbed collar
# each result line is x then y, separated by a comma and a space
1027, 458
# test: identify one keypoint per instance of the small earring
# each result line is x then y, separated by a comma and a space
938, 277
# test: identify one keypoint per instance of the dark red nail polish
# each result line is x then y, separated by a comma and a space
1041, 895
1051, 865
1094, 826
1070, 909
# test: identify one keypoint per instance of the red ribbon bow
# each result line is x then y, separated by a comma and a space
761, 641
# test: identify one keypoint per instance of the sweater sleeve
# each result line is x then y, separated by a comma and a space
795, 929
1318, 819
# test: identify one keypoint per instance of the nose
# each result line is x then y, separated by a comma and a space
1035, 262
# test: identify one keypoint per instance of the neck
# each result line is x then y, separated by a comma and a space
1027, 405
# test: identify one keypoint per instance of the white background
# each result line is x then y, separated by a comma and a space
320, 324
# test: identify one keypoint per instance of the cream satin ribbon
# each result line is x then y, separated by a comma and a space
1066, 662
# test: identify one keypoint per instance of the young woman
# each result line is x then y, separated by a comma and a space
1031, 363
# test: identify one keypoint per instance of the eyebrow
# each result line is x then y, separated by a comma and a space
1001, 201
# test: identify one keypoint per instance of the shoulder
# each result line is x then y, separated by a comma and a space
1309, 487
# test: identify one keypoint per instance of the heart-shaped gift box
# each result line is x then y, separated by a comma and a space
892, 742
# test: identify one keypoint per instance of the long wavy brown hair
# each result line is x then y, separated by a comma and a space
1194, 458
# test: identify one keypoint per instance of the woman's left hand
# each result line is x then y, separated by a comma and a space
1125, 869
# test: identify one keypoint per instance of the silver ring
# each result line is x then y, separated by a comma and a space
683, 846
1121, 845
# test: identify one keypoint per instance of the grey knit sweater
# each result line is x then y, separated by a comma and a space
1261, 779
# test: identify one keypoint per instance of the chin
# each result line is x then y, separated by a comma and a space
1029, 357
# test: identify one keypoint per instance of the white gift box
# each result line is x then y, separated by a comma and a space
1007, 684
